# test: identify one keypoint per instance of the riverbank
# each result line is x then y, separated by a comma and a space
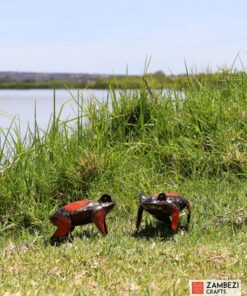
152, 141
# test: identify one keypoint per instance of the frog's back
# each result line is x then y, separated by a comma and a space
77, 205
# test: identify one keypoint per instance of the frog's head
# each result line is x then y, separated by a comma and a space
162, 197
107, 202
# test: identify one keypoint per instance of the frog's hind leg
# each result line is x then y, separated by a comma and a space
62, 220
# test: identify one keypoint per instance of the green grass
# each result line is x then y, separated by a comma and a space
146, 140
150, 264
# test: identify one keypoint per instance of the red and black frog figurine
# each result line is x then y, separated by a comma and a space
81, 212
163, 206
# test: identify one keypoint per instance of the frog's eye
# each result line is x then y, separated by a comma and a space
161, 197
105, 198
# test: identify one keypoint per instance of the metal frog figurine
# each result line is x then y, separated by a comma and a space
163, 206
80, 213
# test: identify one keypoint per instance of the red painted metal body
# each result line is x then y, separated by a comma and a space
165, 207
81, 212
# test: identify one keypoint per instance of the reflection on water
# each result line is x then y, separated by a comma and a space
20, 104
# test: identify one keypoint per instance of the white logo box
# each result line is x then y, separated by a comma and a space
215, 287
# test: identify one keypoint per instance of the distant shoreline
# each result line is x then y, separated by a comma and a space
15, 80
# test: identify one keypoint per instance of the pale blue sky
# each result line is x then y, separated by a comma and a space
105, 36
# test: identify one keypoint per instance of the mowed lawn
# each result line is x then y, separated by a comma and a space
153, 263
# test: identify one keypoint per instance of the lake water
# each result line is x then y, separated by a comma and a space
20, 104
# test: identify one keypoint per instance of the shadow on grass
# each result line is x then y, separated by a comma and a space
149, 231
86, 233
160, 230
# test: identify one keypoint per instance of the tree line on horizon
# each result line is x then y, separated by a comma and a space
157, 80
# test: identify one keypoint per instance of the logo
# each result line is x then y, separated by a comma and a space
197, 288
215, 287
